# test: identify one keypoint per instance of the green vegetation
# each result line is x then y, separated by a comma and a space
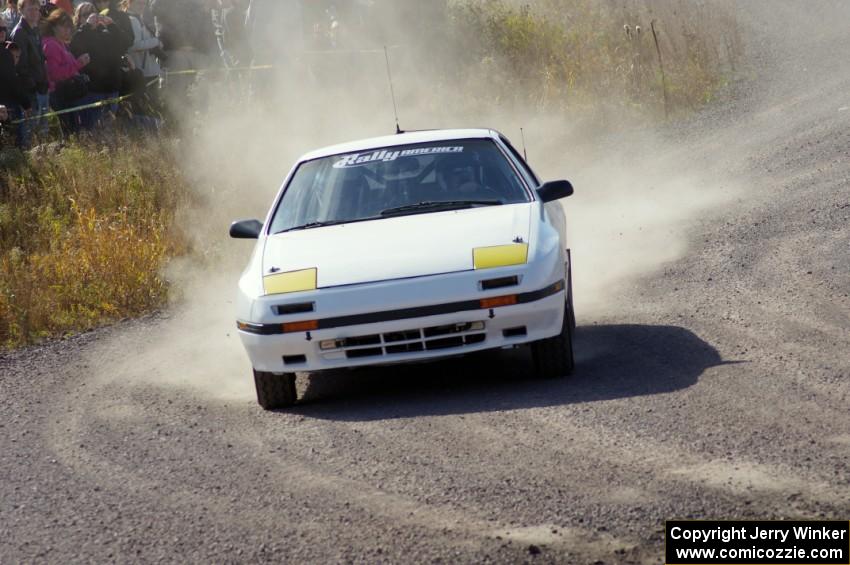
84, 234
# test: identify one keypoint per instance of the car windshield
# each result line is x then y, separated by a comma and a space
398, 180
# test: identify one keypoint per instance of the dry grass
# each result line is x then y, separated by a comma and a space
84, 235
556, 55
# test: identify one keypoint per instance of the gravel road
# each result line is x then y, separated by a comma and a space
715, 384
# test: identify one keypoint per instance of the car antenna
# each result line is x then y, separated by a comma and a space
524, 152
392, 91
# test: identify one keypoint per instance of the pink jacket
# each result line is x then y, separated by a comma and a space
61, 64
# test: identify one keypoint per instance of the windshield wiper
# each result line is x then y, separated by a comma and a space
429, 205
426, 206
311, 225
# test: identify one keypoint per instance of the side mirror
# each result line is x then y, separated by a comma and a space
555, 190
246, 229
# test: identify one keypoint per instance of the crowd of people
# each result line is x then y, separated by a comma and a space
78, 59
72, 66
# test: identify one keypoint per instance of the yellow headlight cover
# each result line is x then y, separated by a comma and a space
293, 281
500, 256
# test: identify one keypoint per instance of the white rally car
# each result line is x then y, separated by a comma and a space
406, 248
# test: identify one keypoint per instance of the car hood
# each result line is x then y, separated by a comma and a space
398, 247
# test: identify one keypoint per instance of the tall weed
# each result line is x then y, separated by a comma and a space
84, 235
556, 55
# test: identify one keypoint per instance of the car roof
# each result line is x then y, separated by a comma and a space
407, 138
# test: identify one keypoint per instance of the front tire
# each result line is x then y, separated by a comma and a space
275, 390
553, 356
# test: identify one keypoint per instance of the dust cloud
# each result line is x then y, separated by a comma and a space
638, 189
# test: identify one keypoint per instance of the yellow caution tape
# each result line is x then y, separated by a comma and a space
109, 102
217, 70
166, 74
345, 51
98, 104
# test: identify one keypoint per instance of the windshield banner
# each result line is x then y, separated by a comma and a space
356, 159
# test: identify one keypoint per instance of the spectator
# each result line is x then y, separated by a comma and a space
275, 28
47, 8
111, 9
184, 25
145, 43
275, 31
147, 17
98, 36
186, 31
143, 55
231, 33
4, 117
65, 5
67, 86
31, 68
12, 93
13, 48
11, 15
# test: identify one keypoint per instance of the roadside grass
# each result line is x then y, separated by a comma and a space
84, 235
657, 58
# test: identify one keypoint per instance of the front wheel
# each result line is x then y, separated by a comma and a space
275, 390
553, 356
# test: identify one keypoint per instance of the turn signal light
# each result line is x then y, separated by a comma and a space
508, 300
305, 326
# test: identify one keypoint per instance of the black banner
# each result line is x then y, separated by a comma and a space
697, 542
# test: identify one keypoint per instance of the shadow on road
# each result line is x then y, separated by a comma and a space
612, 361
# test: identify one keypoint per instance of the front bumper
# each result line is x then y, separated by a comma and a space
406, 335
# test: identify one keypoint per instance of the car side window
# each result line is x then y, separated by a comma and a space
520, 160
